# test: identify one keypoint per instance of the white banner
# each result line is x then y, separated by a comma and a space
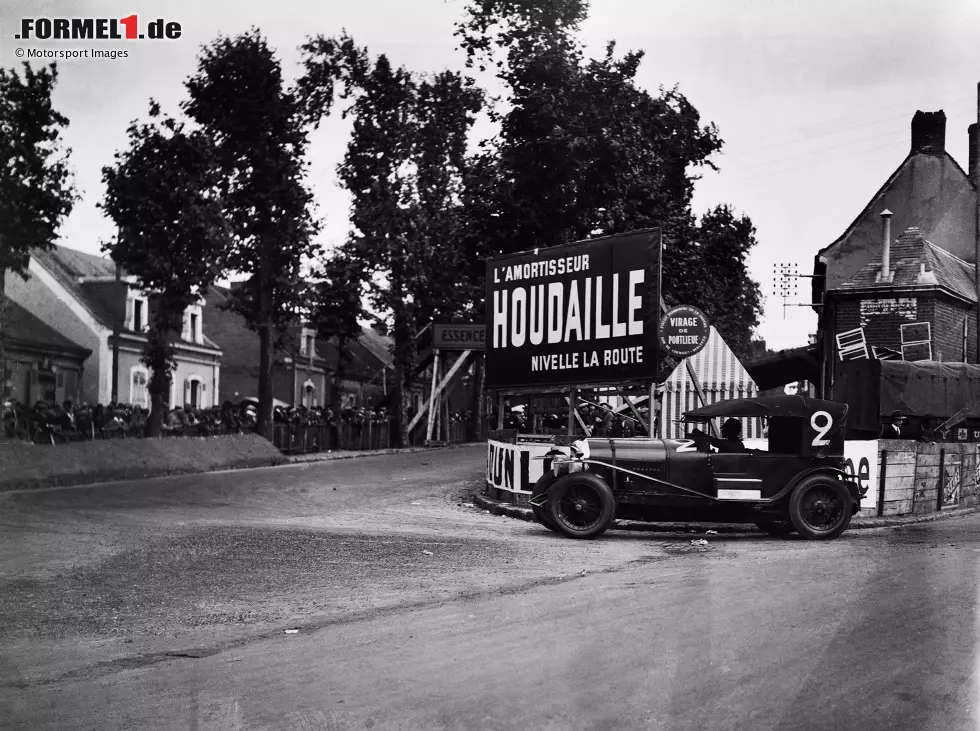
861, 461
511, 467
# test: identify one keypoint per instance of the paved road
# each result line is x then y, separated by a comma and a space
876, 630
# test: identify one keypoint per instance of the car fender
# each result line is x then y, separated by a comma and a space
852, 487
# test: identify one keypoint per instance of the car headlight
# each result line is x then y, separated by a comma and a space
580, 449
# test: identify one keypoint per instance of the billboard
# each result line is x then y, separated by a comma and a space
580, 313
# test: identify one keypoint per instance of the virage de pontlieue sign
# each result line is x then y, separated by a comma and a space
684, 331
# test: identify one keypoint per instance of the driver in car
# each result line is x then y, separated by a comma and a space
731, 437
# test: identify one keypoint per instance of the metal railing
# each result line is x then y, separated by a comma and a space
308, 438
290, 438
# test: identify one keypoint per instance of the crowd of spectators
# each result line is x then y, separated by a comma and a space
599, 419
54, 423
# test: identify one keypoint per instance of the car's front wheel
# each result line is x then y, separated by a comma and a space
820, 508
581, 505
540, 488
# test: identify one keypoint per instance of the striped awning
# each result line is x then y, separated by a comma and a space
721, 375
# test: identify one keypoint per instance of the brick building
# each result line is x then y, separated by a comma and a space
868, 284
923, 286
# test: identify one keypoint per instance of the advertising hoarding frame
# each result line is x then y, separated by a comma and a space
610, 264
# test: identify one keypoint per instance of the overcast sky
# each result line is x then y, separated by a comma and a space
813, 99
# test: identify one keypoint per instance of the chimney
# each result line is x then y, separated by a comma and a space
886, 234
926, 277
974, 144
929, 133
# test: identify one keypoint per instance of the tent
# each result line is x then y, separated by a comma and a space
721, 375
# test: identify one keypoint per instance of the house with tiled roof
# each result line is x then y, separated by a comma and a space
914, 300
933, 200
41, 363
928, 190
90, 302
304, 366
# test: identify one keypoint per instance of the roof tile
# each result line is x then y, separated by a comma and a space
908, 253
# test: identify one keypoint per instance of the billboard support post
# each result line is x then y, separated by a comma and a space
636, 413
432, 397
653, 411
572, 403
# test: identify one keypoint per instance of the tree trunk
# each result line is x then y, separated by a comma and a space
265, 422
159, 388
3, 334
401, 405
154, 423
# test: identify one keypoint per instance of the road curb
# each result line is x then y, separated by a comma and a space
329, 456
496, 507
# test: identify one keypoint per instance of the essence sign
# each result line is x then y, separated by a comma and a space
581, 313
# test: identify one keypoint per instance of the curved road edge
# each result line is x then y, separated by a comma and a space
513, 511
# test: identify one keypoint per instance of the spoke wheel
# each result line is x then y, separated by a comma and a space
581, 505
820, 508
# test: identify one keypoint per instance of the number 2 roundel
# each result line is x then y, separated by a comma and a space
821, 422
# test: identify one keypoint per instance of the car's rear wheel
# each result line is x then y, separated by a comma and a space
581, 505
820, 508
540, 488
775, 527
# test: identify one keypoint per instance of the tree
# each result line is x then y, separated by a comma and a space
36, 188
259, 130
726, 292
404, 168
163, 194
336, 311
582, 151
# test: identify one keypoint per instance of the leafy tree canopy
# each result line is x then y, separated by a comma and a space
36, 188
164, 195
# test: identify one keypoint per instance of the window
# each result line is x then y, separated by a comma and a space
194, 393
138, 393
191, 331
138, 315
306, 340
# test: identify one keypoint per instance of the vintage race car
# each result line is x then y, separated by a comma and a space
797, 483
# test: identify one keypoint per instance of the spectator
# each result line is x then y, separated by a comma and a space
892, 426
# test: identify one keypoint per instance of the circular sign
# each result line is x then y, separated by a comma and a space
684, 331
